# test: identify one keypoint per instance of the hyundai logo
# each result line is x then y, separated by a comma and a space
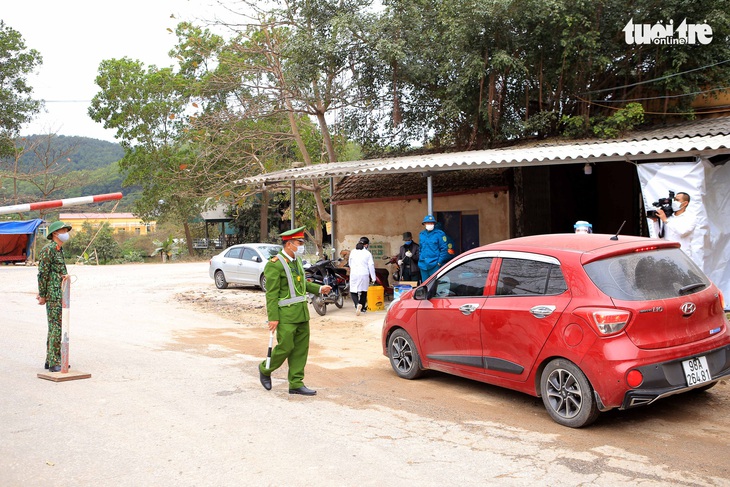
688, 309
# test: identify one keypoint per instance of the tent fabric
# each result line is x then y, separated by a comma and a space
16, 227
708, 186
16, 239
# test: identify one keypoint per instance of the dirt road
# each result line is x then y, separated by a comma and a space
174, 398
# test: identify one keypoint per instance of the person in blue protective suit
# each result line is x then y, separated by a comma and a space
450, 247
434, 248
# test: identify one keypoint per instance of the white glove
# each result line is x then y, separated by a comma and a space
400, 262
409, 253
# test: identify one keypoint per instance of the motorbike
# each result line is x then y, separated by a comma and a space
326, 272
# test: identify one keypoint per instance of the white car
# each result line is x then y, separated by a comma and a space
242, 264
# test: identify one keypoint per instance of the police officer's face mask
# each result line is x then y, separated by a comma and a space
429, 226
300, 249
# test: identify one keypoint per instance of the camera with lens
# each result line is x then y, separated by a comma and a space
664, 204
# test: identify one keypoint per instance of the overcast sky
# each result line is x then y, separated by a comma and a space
76, 35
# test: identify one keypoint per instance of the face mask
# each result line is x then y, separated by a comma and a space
300, 250
676, 205
408, 242
63, 237
429, 227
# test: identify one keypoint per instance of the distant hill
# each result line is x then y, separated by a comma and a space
91, 166
88, 154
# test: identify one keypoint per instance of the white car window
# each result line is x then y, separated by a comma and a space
249, 254
234, 253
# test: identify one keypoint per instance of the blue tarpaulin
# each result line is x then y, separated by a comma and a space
16, 239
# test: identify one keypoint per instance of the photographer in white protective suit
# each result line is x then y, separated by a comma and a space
680, 226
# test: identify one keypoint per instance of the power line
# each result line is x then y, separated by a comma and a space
655, 79
722, 88
66, 101
600, 104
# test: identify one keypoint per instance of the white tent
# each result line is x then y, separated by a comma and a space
709, 189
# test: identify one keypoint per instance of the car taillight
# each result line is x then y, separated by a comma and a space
722, 300
606, 321
609, 321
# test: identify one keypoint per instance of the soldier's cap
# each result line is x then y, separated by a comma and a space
55, 226
296, 234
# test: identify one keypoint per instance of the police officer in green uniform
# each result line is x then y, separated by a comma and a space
288, 313
51, 273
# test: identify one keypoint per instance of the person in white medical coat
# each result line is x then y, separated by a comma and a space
362, 273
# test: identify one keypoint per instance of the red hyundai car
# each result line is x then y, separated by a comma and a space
587, 322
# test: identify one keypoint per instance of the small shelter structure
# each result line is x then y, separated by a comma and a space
16, 240
226, 237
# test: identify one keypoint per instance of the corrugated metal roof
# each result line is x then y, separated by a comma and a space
704, 136
389, 186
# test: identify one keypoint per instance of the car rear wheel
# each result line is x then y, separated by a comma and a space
567, 394
403, 355
220, 280
262, 282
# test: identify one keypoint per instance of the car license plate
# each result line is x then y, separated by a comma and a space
696, 371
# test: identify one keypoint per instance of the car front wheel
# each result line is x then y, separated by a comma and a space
567, 394
262, 282
403, 355
220, 280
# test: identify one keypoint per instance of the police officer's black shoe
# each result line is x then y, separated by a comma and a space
304, 391
265, 380
55, 368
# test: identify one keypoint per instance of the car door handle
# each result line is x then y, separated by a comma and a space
467, 309
542, 310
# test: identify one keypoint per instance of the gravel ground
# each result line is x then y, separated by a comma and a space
174, 399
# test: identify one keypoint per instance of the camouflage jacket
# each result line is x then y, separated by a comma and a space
51, 269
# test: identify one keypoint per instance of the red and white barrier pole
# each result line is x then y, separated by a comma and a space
44, 205
65, 321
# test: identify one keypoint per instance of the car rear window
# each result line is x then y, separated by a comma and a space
524, 277
269, 250
645, 276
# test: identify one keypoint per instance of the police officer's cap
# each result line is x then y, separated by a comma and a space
296, 234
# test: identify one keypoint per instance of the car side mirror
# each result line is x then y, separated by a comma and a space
421, 293
256, 259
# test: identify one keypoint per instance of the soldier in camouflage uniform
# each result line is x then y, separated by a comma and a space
286, 306
51, 272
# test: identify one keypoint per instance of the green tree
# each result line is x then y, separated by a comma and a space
92, 243
470, 74
144, 106
16, 103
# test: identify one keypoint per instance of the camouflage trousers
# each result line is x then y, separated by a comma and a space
53, 343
